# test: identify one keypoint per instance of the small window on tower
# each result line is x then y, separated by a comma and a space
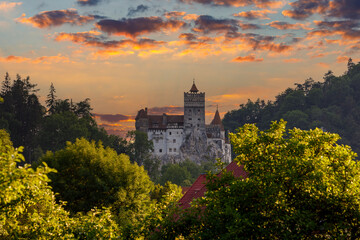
174, 140
160, 150
169, 133
190, 119
174, 149
170, 149
199, 119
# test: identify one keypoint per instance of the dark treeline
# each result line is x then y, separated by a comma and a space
332, 105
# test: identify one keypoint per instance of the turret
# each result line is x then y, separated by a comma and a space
194, 111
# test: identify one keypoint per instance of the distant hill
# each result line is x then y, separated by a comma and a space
333, 105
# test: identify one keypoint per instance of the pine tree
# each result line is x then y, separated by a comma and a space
6, 86
51, 99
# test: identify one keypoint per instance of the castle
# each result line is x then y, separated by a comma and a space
180, 137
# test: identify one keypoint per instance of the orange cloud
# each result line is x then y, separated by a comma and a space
324, 65
249, 58
292, 60
239, 3
43, 59
12, 58
56, 18
91, 39
174, 14
7, 6
190, 17
255, 14
286, 26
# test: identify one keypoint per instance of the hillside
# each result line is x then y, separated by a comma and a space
332, 105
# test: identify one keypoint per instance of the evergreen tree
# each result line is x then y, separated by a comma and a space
51, 99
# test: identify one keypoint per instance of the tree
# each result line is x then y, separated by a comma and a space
27, 204
301, 185
21, 113
89, 175
51, 99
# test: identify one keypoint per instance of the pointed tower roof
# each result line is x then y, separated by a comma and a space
194, 88
217, 120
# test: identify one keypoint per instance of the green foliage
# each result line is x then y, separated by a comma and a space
27, 204
164, 204
301, 185
89, 175
184, 173
332, 105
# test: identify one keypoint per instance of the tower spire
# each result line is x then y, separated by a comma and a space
194, 88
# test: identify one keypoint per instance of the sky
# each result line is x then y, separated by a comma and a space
126, 55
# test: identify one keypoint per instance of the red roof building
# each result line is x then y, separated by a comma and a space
198, 188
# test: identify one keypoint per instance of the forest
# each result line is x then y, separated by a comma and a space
64, 177
332, 105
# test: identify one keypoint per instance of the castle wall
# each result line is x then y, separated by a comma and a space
166, 142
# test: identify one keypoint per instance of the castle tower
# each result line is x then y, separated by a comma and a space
194, 112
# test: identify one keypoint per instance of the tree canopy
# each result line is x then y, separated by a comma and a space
301, 185
332, 105
89, 175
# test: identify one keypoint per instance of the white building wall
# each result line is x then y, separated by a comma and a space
158, 137
174, 139
166, 142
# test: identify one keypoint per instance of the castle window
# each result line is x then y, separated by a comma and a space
170, 149
198, 125
190, 118
199, 119
169, 133
174, 140
174, 149
198, 110
160, 150
157, 140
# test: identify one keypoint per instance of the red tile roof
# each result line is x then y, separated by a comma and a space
198, 188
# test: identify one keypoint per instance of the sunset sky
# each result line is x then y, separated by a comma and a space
129, 54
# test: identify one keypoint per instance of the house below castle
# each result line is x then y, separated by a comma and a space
180, 137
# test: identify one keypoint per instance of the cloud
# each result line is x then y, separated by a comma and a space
324, 65
139, 9
238, 3
56, 18
286, 26
302, 9
348, 29
114, 118
88, 2
43, 59
292, 60
349, 9
208, 24
172, 110
91, 39
249, 58
133, 27
259, 42
255, 14
16, 59
174, 14
7, 6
